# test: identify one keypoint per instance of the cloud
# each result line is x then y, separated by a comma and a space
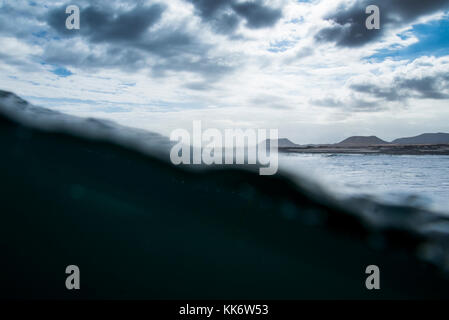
271, 101
198, 86
429, 87
347, 23
400, 84
225, 15
105, 25
130, 38
19, 18
424, 78
218, 14
350, 103
390, 93
257, 15
255, 61
327, 102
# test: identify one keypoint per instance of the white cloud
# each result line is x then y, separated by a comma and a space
305, 88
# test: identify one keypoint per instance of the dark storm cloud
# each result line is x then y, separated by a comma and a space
428, 87
208, 8
349, 28
171, 42
225, 15
131, 37
100, 24
218, 14
225, 23
257, 15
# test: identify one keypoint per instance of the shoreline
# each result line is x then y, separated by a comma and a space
429, 149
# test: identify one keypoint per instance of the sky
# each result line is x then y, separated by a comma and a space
310, 69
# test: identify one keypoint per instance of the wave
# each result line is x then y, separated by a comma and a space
105, 197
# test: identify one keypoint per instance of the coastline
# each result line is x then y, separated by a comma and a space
396, 149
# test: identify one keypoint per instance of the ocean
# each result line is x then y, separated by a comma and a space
421, 181
93, 194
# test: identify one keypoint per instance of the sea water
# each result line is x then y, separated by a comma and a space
421, 180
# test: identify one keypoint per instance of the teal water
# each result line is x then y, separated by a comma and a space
404, 179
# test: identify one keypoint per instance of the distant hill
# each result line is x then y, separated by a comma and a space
426, 138
284, 143
362, 140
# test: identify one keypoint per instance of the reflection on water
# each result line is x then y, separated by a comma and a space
414, 180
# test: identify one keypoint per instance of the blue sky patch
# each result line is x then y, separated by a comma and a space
433, 41
62, 72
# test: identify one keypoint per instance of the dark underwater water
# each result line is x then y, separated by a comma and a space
104, 198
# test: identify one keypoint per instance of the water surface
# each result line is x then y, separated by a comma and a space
415, 180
